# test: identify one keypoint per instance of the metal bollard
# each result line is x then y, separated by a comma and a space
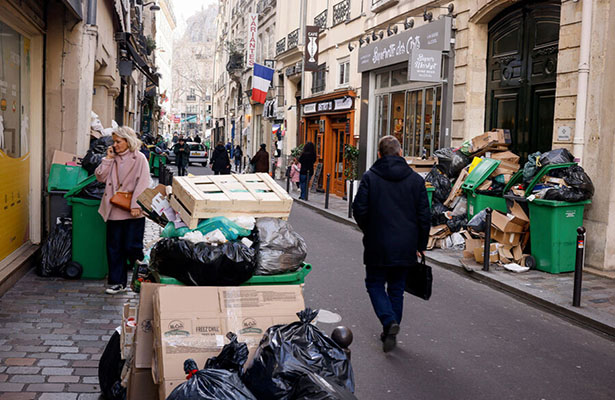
327, 191
307, 185
288, 184
342, 335
487, 251
578, 267
350, 198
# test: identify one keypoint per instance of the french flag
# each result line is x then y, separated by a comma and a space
260, 82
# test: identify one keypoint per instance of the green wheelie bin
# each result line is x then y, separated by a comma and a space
156, 162
430, 191
62, 178
89, 248
476, 201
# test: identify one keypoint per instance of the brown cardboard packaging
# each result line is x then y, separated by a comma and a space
506, 156
487, 139
493, 253
456, 190
141, 386
520, 217
144, 338
420, 165
507, 238
191, 322
127, 332
507, 222
60, 157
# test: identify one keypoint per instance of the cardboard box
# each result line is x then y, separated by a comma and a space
420, 165
471, 245
506, 156
507, 238
493, 253
141, 386
439, 231
191, 322
506, 169
488, 139
144, 338
507, 222
554, 181
60, 157
127, 333
456, 190
485, 185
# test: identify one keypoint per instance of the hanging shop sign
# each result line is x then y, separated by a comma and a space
325, 106
425, 66
310, 58
252, 38
396, 49
341, 104
309, 108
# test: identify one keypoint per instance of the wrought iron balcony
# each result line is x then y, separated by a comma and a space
341, 12
293, 39
321, 20
280, 46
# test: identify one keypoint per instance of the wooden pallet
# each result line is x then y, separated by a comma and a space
207, 196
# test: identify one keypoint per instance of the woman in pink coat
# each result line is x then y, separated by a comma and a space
124, 169
295, 168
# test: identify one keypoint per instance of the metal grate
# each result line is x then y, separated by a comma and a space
280, 46
293, 39
341, 12
321, 20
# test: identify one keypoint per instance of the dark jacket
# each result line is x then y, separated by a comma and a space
307, 161
197, 139
392, 210
182, 157
261, 161
237, 154
219, 160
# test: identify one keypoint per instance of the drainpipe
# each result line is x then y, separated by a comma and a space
579, 125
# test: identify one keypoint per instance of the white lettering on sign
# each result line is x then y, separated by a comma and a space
252, 38
414, 42
571, 213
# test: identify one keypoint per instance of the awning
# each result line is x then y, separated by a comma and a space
75, 7
141, 64
191, 118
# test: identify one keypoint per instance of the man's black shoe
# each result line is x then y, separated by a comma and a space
389, 337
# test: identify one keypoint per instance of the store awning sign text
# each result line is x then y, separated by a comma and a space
425, 66
252, 38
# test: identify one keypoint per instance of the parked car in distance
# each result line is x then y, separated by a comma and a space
198, 154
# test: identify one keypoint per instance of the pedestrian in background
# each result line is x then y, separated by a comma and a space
220, 162
261, 160
295, 170
124, 169
307, 160
392, 210
182, 156
237, 154
197, 139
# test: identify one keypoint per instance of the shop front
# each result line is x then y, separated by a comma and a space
407, 79
328, 122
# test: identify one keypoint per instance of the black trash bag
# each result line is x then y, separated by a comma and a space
496, 189
97, 151
110, 370
478, 222
441, 184
577, 178
202, 264
281, 248
232, 357
557, 156
457, 223
564, 193
451, 161
531, 168
437, 213
94, 190
312, 386
287, 352
56, 251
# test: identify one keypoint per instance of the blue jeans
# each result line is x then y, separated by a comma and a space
388, 304
303, 184
124, 247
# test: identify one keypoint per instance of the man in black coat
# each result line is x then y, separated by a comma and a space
392, 210
220, 162
182, 156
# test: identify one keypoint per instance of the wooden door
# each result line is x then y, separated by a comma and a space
339, 140
521, 74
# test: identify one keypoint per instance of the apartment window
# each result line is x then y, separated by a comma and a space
318, 78
344, 72
280, 90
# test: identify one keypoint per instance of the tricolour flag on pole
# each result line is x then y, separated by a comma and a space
260, 82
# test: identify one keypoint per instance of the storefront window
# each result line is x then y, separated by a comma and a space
382, 80
397, 115
399, 77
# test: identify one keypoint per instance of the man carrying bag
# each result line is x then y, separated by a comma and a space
392, 210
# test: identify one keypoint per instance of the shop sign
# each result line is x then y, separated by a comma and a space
252, 38
311, 49
325, 106
425, 65
396, 49
309, 108
344, 103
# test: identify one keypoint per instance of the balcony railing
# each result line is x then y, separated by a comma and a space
293, 39
191, 98
280, 46
321, 20
341, 12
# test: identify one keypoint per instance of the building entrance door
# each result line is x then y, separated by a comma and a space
521, 74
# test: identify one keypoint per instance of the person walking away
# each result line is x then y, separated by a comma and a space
237, 154
182, 156
392, 210
307, 160
295, 169
197, 139
175, 138
261, 160
220, 162
124, 170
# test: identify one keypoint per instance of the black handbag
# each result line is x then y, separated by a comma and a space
419, 280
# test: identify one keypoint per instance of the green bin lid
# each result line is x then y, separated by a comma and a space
74, 191
65, 177
556, 203
479, 174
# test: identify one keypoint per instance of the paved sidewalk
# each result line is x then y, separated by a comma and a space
553, 292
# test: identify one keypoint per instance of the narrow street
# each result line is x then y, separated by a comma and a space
467, 342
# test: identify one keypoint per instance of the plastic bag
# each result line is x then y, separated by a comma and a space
478, 222
232, 357
97, 151
557, 156
577, 178
312, 386
564, 193
288, 352
441, 184
451, 161
230, 229
437, 213
466, 147
94, 190
531, 167
56, 251
461, 207
281, 249
110, 370
202, 264
457, 223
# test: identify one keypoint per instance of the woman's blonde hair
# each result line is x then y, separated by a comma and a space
130, 136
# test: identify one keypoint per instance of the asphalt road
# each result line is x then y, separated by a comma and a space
468, 342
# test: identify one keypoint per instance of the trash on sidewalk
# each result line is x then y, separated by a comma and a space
57, 250
110, 369
516, 267
281, 249
421, 165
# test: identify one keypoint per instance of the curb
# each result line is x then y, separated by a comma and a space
561, 311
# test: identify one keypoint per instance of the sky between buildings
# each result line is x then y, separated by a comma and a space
183, 9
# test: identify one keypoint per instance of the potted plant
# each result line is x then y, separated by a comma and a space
296, 152
351, 168
150, 45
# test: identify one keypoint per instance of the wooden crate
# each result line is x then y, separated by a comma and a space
207, 196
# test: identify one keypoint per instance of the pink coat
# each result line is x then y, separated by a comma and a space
136, 182
294, 172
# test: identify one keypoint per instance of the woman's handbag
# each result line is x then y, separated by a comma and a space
419, 280
122, 199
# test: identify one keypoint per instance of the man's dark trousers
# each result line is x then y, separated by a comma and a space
388, 303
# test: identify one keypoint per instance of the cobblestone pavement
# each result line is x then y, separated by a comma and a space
53, 332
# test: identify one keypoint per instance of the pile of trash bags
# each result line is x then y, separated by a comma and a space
57, 250
281, 249
455, 217
97, 151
